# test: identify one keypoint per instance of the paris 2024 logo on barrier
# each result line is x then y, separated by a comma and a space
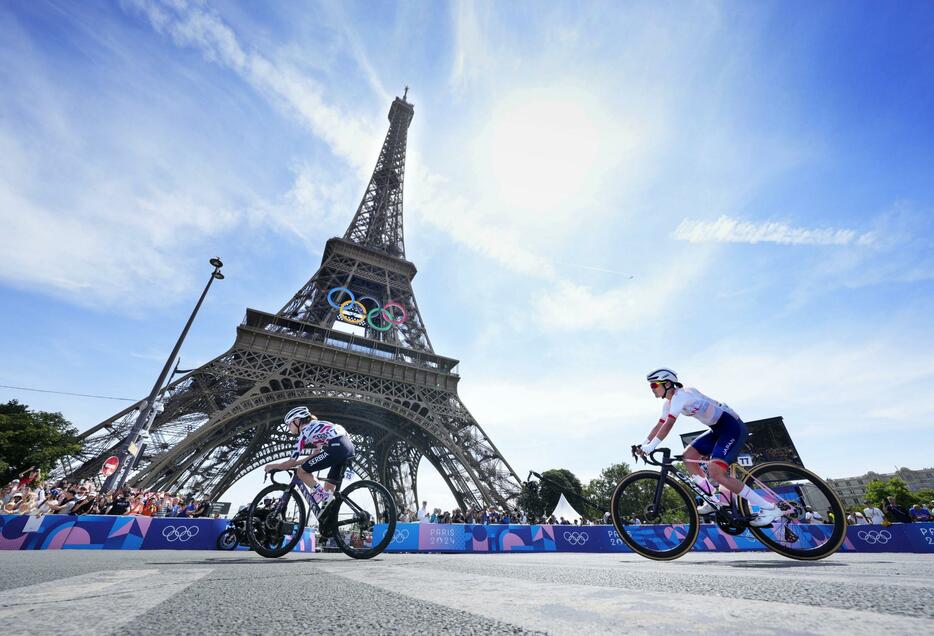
352, 310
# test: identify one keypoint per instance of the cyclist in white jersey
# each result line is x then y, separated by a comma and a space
320, 445
720, 445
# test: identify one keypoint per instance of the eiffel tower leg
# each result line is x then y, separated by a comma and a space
235, 469
398, 470
451, 478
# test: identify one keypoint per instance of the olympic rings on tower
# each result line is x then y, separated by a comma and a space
355, 312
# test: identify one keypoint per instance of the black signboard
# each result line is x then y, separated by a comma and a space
768, 441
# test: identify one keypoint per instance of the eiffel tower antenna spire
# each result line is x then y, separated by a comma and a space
378, 221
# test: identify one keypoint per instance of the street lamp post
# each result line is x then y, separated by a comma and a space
143, 421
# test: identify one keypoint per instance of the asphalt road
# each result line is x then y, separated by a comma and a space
136, 592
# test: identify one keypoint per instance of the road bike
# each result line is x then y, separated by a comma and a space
664, 502
349, 518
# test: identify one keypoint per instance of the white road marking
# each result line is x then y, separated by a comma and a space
105, 601
589, 609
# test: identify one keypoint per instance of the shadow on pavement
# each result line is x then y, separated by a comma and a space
786, 564
245, 561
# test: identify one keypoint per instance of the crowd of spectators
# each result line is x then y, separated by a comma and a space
871, 514
486, 516
891, 512
895, 513
29, 494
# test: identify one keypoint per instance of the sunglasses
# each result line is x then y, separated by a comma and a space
655, 385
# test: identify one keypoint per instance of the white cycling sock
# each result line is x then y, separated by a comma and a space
754, 498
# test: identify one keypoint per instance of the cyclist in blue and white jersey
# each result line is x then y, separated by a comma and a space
320, 445
721, 444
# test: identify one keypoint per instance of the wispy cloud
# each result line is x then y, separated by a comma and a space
729, 230
846, 388
470, 51
108, 210
901, 252
624, 307
350, 136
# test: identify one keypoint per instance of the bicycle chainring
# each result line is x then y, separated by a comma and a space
729, 524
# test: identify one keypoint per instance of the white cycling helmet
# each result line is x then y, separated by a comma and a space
298, 413
662, 375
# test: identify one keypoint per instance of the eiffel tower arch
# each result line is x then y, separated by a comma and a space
352, 345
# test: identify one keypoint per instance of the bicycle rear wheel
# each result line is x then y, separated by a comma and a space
353, 515
275, 530
663, 533
795, 489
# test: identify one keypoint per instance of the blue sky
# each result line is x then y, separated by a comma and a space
741, 192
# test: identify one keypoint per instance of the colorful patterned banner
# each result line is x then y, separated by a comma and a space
100, 532
92, 532
425, 537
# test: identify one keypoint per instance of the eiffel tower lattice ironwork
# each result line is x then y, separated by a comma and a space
351, 344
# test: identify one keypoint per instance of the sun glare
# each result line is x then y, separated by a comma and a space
545, 148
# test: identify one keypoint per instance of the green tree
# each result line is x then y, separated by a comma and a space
877, 491
923, 496
563, 481
530, 499
33, 438
637, 501
600, 489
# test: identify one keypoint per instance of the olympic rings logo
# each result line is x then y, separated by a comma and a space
873, 537
180, 533
400, 536
576, 538
355, 312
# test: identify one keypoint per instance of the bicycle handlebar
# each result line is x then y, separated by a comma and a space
272, 474
649, 458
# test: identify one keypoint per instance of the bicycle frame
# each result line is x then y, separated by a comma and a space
310, 500
713, 498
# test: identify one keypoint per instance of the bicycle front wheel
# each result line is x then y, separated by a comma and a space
275, 529
353, 515
797, 491
662, 532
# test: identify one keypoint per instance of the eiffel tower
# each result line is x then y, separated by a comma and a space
352, 345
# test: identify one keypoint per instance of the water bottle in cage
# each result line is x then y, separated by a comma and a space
348, 474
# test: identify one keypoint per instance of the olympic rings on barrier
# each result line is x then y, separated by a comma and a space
873, 537
400, 536
576, 538
180, 533
355, 312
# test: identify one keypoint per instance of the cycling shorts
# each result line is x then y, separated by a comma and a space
724, 440
333, 455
